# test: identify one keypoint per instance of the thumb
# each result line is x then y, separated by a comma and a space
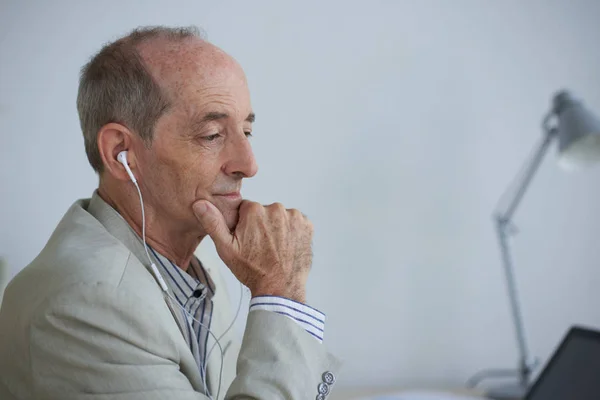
212, 222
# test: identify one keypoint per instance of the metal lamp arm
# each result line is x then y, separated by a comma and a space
531, 167
504, 229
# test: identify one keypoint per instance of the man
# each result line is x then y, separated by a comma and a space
100, 315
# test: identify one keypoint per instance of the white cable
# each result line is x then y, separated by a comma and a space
203, 365
232, 322
157, 274
143, 222
164, 287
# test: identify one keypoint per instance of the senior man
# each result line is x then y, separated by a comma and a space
117, 306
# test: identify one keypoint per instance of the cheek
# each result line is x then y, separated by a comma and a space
161, 180
162, 174
201, 175
174, 188
184, 171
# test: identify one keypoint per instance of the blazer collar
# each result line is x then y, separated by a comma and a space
116, 225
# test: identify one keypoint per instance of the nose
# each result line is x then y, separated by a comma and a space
240, 159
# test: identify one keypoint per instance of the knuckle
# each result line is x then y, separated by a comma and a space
294, 213
252, 206
277, 207
276, 210
245, 204
210, 228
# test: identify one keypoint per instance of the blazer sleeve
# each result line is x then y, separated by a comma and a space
280, 360
99, 342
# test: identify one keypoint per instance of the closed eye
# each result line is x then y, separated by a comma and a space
211, 138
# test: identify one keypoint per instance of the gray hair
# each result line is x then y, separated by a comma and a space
116, 86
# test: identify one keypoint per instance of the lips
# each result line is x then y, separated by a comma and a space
230, 196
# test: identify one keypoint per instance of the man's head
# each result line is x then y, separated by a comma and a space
181, 108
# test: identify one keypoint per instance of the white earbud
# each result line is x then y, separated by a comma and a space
122, 158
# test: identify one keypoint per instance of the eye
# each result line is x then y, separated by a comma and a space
248, 134
211, 138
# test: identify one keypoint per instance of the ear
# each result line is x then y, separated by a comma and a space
112, 139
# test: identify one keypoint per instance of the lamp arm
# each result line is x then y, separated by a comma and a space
523, 180
525, 362
504, 230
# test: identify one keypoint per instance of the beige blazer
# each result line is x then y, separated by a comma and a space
87, 320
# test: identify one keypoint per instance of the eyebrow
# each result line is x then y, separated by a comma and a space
216, 116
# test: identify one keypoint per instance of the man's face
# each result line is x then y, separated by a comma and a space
200, 148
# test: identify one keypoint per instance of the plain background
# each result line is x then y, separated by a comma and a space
394, 125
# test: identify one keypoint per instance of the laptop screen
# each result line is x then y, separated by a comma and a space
573, 372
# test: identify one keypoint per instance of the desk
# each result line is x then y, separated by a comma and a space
359, 394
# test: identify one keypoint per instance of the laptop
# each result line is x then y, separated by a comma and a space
573, 371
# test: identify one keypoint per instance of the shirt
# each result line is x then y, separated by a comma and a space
194, 291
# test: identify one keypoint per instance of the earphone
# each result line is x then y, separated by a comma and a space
122, 158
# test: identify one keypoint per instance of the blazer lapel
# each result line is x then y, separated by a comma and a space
120, 229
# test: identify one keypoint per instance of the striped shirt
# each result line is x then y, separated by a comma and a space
194, 291
311, 319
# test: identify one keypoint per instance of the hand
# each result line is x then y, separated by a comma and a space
270, 249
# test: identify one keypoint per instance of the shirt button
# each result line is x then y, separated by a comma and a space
320, 397
323, 389
200, 291
329, 378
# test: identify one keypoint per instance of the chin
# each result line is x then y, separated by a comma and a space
231, 218
229, 209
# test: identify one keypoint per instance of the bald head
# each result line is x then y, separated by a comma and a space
183, 66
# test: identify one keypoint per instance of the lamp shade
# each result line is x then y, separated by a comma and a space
578, 132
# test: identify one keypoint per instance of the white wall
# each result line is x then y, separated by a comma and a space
394, 125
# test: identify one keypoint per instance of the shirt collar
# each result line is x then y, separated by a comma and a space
187, 285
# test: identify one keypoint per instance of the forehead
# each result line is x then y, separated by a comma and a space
197, 75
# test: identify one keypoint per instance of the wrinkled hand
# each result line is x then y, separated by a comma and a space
269, 251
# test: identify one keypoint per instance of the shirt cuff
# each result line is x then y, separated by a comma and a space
310, 319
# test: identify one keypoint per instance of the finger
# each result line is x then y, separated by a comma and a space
276, 208
295, 213
212, 222
249, 207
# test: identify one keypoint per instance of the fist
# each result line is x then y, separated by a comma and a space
270, 250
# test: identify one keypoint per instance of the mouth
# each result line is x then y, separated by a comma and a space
230, 196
